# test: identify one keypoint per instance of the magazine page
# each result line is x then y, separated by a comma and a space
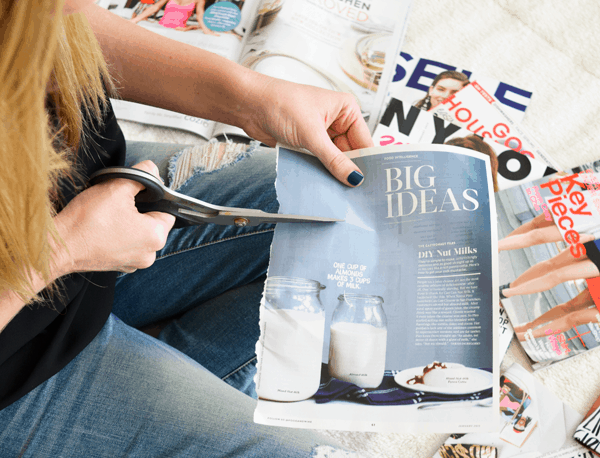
506, 332
218, 27
588, 432
549, 264
474, 108
336, 45
386, 319
426, 83
402, 123
534, 424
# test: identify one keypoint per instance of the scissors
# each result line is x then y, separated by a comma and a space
189, 211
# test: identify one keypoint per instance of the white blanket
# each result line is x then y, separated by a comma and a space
550, 47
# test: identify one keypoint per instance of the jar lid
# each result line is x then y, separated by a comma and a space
302, 284
363, 298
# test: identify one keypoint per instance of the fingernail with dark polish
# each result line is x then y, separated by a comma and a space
355, 178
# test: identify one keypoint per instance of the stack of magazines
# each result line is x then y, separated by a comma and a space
464, 234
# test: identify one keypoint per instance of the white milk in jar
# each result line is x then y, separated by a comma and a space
357, 353
358, 340
290, 348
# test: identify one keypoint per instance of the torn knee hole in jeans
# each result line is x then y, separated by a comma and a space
206, 158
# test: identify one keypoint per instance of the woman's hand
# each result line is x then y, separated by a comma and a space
205, 85
321, 121
103, 230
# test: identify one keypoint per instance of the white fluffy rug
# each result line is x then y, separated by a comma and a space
550, 47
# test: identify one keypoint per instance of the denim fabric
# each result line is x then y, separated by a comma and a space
129, 394
207, 281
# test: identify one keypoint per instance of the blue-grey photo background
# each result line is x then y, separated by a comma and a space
387, 246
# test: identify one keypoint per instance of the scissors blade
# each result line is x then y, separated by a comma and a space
247, 217
190, 211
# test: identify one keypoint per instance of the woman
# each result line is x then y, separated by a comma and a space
443, 86
177, 13
513, 399
548, 274
75, 378
575, 312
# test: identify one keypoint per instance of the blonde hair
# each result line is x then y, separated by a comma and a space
41, 49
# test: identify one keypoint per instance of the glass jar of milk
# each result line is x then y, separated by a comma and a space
358, 340
290, 348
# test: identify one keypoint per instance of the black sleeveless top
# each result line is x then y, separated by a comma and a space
43, 338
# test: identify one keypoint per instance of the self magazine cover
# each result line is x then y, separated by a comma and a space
548, 264
386, 318
426, 82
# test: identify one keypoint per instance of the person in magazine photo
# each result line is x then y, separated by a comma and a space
561, 268
443, 86
176, 15
580, 261
576, 312
513, 400
548, 256
476, 143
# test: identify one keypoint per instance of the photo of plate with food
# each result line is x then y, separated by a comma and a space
444, 378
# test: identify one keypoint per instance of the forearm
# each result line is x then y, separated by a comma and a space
165, 73
11, 303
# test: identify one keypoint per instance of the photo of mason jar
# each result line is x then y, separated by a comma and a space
358, 341
363, 59
290, 348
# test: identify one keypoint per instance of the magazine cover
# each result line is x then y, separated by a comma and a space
534, 424
425, 83
341, 46
403, 123
474, 108
387, 318
549, 263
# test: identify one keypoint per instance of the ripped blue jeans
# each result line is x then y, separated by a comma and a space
129, 394
204, 288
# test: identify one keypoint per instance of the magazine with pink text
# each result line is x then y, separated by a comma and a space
474, 108
549, 263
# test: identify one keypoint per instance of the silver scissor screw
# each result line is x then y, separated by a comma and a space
240, 222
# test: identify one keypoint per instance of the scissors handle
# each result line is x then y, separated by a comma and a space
151, 199
154, 189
